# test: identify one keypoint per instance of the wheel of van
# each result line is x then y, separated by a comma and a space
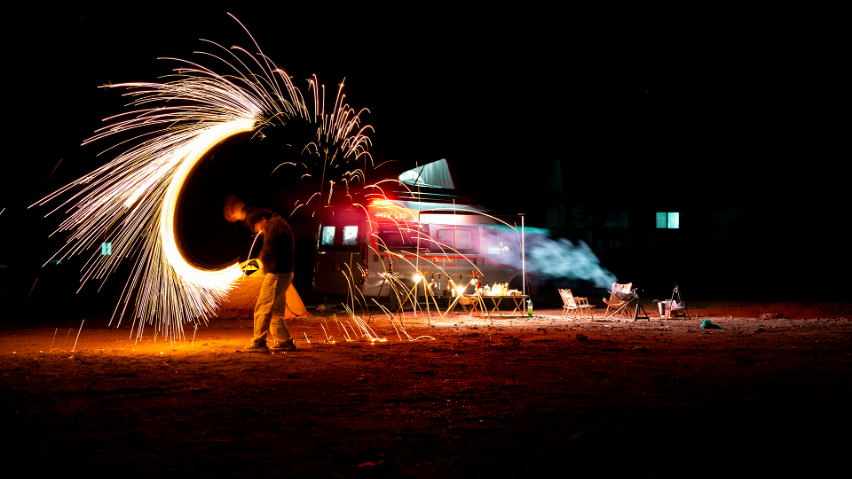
393, 300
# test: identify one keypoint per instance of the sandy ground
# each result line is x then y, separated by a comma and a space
768, 394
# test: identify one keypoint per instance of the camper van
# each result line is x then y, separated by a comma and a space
388, 243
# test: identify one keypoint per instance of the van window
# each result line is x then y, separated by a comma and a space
399, 236
350, 235
465, 239
341, 229
500, 240
327, 237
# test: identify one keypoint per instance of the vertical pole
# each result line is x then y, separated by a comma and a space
455, 268
417, 259
352, 276
417, 253
523, 259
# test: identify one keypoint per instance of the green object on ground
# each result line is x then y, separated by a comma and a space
707, 324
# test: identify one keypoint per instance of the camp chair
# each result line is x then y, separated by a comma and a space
576, 304
620, 298
469, 303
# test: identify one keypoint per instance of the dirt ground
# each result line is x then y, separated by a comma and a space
767, 394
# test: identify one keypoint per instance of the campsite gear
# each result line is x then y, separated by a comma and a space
574, 303
620, 298
669, 308
639, 306
243, 296
679, 305
529, 308
664, 307
468, 302
674, 307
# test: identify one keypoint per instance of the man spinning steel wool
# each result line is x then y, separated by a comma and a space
277, 258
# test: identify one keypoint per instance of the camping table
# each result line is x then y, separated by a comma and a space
496, 300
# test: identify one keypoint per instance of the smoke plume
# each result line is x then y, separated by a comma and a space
561, 259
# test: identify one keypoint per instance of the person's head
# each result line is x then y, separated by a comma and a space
233, 209
260, 225
258, 218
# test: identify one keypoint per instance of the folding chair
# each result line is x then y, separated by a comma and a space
469, 304
619, 299
575, 304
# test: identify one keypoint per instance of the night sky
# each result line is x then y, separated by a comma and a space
748, 118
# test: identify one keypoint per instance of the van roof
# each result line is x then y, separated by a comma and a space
431, 175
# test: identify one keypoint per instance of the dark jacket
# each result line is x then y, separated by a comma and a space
277, 251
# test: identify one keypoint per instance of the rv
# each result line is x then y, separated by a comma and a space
385, 245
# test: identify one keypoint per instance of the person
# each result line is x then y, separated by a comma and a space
277, 258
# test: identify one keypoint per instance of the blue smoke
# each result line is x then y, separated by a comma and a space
561, 259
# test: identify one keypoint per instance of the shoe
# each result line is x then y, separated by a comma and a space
284, 346
257, 348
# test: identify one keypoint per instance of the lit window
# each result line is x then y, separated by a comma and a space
674, 220
668, 220
350, 235
497, 238
327, 236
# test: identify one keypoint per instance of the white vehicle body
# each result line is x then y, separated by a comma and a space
408, 243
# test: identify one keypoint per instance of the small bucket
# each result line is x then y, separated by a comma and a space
665, 308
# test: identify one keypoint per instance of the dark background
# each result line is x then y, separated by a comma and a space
743, 118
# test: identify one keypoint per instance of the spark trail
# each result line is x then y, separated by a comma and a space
130, 200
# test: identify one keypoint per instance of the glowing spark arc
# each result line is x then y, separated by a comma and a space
130, 201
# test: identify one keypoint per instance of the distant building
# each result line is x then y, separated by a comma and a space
638, 233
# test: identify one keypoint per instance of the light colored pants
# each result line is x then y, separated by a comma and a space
270, 308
